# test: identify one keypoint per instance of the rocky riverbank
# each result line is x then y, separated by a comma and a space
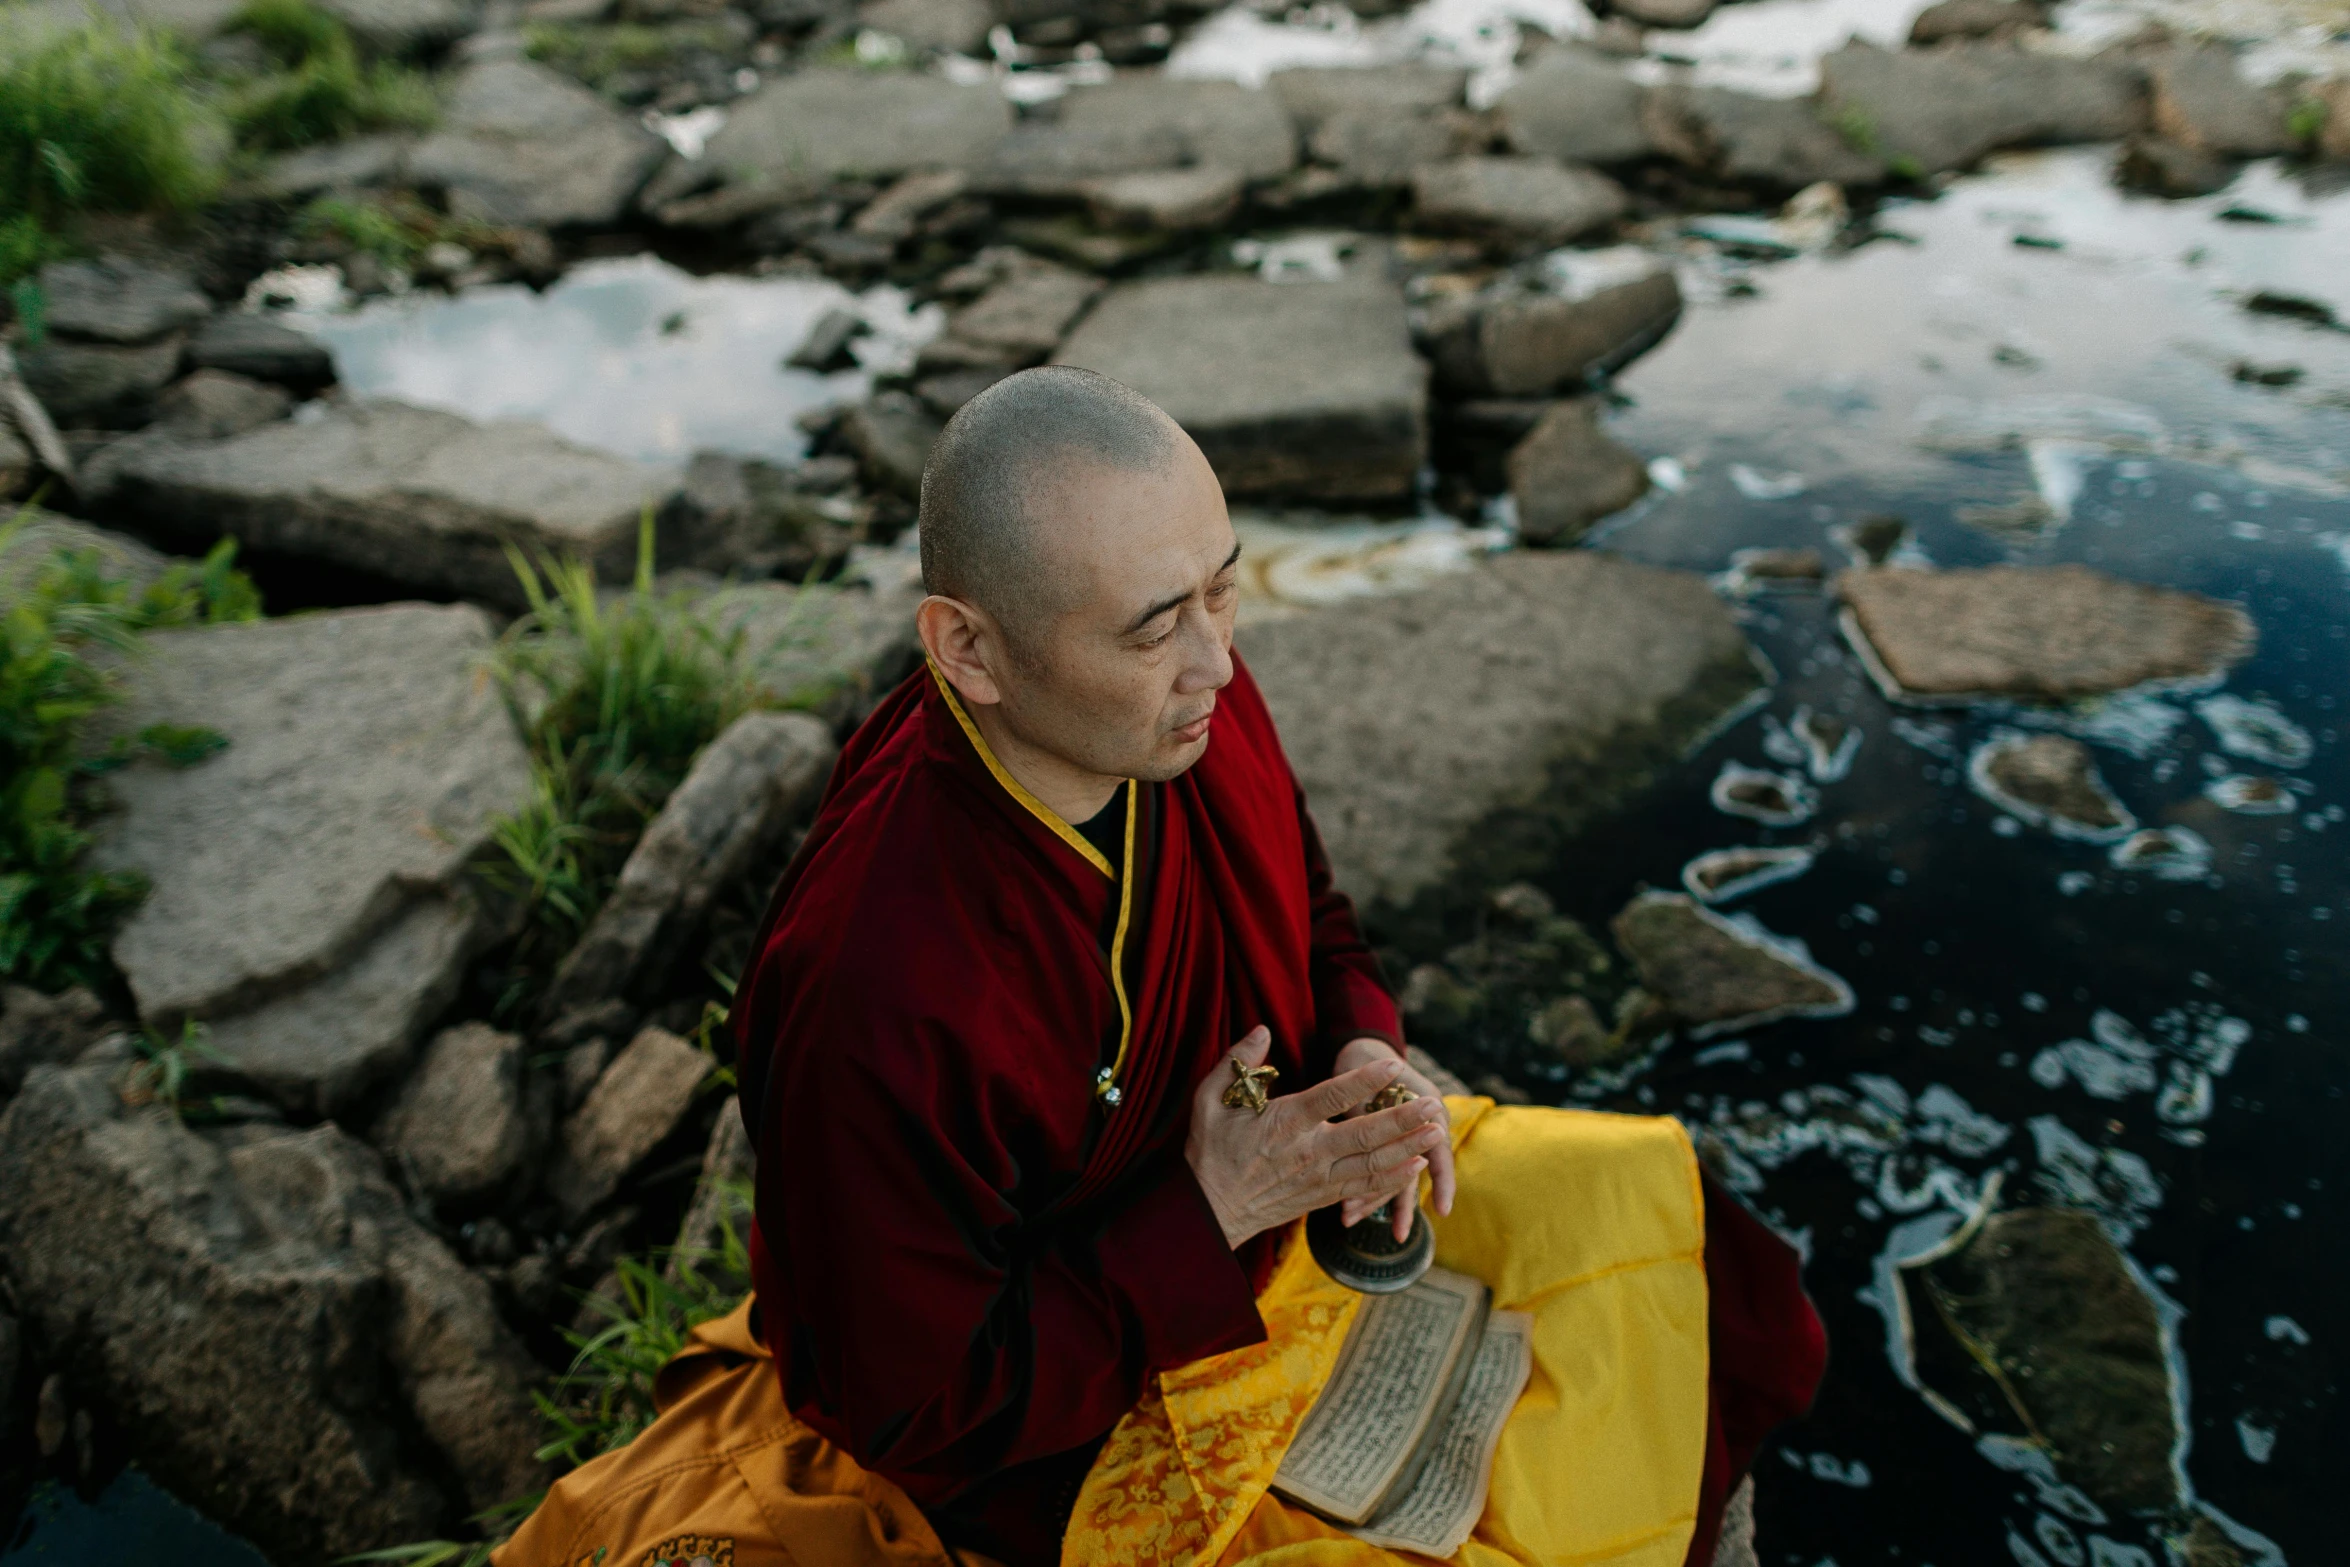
372, 1118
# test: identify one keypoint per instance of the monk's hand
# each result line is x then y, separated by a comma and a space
1262, 1170
1363, 1052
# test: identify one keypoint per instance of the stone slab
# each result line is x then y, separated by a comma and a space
828, 124
1516, 200
519, 143
115, 299
1940, 109
1568, 473
1572, 105
1301, 389
1414, 721
641, 1098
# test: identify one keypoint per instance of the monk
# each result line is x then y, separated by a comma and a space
1030, 1285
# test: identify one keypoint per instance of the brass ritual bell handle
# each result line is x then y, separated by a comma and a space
1367, 1256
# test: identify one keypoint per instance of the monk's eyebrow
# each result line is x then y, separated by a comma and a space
1174, 599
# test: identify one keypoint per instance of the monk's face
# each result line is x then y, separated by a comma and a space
1119, 674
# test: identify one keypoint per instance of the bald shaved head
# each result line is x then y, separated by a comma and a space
999, 453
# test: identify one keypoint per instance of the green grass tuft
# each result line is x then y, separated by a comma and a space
55, 914
321, 90
2306, 121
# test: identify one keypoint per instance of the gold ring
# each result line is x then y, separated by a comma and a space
1395, 1093
1249, 1085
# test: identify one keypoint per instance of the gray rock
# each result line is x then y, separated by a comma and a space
826, 347
38, 536
583, 1063
2036, 633
1533, 691
1518, 201
302, 878
1289, 388
251, 345
405, 27
827, 124
1378, 123
43, 1030
1165, 198
414, 494
326, 1359
1663, 13
1016, 323
638, 1102
891, 434
745, 789
1780, 143
2333, 133
748, 518
214, 404
2200, 100
831, 650
2163, 167
1531, 344
358, 163
2048, 1296
1568, 473
1143, 122
950, 26
458, 1129
1935, 109
897, 212
118, 300
1956, 19
1573, 106
522, 144
1719, 975
103, 384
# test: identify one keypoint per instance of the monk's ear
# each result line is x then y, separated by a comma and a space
962, 642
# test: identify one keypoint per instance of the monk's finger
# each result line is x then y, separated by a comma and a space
1384, 1162
1442, 1176
1376, 1184
1254, 1046
1343, 1092
1360, 1134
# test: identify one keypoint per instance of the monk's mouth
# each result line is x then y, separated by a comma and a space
1194, 730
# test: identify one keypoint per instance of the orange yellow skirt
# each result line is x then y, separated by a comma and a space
1592, 1224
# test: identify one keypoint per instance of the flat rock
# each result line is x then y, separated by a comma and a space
1525, 696
746, 788
214, 404
243, 343
366, 761
1573, 105
1937, 109
522, 144
1307, 389
1719, 975
327, 1360
638, 1102
1568, 473
1779, 143
1016, 323
458, 1129
2039, 633
832, 124
1956, 19
2054, 1302
950, 26
110, 385
1144, 122
2199, 99
1528, 345
1516, 200
118, 300
1378, 123
422, 497
1165, 198
2049, 781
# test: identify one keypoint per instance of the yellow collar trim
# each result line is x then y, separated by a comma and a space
1012, 786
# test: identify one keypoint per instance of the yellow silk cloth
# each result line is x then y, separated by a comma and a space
1593, 1224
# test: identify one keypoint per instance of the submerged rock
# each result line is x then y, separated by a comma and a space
253, 1307
1519, 201
1436, 729
744, 790
2046, 1297
1759, 795
2165, 853
1289, 388
1529, 345
307, 881
1722, 875
2039, 633
1719, 975
1568, 473
422, 497
2048, 781
1940, 109
2256, 731
522, 144
1575, 106
2248, 795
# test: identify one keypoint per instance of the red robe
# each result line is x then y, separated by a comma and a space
966, 1264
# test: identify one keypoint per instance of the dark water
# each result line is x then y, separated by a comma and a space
1974, 943
131, 1521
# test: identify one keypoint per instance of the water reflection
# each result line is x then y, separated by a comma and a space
630, 355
